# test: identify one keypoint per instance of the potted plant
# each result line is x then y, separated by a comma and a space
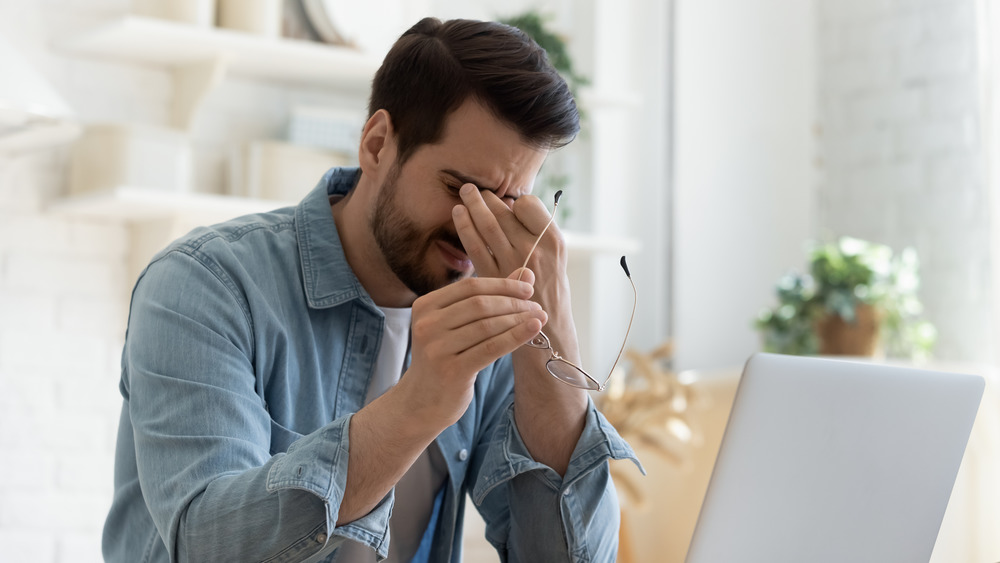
535, 25
857, 299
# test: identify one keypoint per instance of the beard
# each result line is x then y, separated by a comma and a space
404, 246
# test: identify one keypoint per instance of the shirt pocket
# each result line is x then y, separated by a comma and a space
282, 438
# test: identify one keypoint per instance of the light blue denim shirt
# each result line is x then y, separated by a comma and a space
249, 346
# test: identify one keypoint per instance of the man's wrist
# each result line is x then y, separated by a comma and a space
416, 415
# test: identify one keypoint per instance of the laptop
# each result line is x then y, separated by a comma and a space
835, 461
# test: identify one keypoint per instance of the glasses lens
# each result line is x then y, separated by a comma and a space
570, 374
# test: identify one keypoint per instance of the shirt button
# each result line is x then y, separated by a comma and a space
463, 454
568, 491
321, 538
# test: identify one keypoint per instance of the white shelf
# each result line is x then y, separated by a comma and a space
608, 99
165, 43
580, 243
137, 204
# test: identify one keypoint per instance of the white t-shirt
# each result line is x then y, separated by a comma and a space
415, 492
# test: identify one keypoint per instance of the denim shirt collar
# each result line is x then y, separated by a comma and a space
327, 277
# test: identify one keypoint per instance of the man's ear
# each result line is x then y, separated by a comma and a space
378, 144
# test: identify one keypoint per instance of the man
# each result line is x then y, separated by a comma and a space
302, 384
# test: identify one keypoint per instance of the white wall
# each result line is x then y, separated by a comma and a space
61, 320
744, 167
903, 154
62, 311
897, 152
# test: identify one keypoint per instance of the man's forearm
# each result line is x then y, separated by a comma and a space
385, 440
549, 414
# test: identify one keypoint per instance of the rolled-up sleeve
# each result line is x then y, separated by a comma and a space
202, 433
533, 514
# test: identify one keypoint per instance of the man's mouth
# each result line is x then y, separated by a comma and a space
454, 252
455, 243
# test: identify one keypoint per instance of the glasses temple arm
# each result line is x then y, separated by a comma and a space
540, 235
635, 299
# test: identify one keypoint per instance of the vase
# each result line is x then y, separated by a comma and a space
260, 17
838, 337
195, 12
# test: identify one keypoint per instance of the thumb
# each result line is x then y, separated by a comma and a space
523, 274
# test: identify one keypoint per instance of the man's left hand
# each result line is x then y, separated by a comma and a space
497, 239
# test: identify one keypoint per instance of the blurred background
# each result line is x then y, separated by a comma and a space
723, 141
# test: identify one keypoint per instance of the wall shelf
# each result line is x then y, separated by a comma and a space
585, 244
164, 43
137, 204
595, 99
200, 58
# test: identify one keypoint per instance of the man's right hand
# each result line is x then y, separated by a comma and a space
459, 330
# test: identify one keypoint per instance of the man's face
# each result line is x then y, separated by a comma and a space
411, 221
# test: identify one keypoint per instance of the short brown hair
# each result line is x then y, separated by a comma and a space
436, 66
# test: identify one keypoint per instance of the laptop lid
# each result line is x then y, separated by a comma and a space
831, 461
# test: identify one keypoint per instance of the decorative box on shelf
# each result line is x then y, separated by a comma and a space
108, 155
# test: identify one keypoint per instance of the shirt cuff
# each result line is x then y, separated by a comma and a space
317, 463
508, 457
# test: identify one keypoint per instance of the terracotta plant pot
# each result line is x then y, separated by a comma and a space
860, 338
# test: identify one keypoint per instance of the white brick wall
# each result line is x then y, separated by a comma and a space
901, 150
63, 301
62, 291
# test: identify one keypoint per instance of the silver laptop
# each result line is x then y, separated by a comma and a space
835, 461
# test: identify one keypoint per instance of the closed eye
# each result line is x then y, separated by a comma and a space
454, 188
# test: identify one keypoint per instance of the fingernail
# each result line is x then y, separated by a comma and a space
467, 189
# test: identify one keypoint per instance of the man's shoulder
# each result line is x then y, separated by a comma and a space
246, 244
239, 231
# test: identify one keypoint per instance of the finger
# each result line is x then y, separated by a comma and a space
485, 329
531, 212
523, 274
478, 307
480, 355
502, 213
486, 223
461, 290
475, 246
517, 232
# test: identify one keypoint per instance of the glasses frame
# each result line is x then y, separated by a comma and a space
542, 342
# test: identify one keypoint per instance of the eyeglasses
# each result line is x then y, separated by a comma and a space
558, 366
